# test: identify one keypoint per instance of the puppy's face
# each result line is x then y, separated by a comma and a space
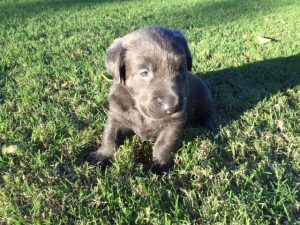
156, 81
153, 65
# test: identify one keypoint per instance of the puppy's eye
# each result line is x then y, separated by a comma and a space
145, 74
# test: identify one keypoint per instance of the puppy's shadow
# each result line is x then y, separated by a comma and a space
142, 153
238, 89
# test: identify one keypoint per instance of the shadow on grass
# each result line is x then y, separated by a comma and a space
28, 8
209, 13
24, 9
200, 14
238, 89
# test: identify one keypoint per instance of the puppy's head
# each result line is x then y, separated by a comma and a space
153, 64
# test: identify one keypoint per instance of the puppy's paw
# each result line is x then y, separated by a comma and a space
99, 158
160, 168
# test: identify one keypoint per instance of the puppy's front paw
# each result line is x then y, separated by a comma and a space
160, 168
98, 158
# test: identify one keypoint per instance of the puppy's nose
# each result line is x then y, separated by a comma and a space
169, 109
168, 105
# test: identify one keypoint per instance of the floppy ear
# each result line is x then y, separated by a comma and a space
181, 39
189, 59
114, 60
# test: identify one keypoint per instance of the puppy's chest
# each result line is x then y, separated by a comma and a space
123, 109
143, 127
148, 129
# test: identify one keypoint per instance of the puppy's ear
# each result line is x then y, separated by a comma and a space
114, 60
189, 58
181, 39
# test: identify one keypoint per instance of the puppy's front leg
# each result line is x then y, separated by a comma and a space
112, 139
167, 142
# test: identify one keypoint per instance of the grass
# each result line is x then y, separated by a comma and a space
53, 104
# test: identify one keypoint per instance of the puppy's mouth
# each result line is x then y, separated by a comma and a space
155, 113
151, 114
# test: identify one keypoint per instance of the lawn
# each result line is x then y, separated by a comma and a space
53, 104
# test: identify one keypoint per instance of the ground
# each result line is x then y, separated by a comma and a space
53, 104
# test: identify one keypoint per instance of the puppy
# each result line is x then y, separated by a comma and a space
153, 93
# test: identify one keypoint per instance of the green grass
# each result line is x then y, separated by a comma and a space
53, 104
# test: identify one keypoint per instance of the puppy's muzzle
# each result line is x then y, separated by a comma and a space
167, 105
164, 104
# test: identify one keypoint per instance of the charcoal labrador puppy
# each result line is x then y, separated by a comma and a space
153, 93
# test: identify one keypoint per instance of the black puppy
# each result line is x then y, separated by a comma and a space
153, 93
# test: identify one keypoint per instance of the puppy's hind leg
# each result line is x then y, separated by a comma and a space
207, 120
